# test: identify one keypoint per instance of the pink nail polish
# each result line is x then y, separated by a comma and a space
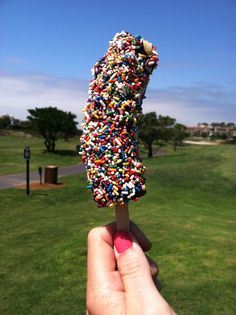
122, 241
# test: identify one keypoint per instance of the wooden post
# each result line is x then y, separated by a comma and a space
122, 218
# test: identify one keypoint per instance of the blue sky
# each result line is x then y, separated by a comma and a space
47, 49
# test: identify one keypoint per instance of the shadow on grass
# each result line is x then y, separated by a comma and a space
66, 152
173, 155
37, 189
164, 156
38, 193
63, 152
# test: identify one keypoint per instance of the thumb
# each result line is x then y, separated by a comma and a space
135, 272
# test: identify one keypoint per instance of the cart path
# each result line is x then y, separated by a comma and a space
201, 142
12, 180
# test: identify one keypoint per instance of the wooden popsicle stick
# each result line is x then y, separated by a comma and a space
122, 217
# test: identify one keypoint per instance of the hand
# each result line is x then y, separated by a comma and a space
121, 279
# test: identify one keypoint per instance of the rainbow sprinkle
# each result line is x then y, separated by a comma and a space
109, 144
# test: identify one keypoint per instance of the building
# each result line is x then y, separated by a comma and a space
212, 130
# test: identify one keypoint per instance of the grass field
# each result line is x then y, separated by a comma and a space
12, 147
188, 213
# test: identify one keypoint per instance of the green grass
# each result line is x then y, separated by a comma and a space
12, 147
188, 213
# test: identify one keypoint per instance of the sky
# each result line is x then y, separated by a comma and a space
47, 50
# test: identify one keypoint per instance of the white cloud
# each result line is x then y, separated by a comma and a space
16, 60
188, 105
21, 92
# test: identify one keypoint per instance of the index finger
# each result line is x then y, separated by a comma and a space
103, 282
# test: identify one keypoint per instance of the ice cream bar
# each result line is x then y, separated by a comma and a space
109, 144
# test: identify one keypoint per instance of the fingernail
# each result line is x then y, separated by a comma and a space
122, 241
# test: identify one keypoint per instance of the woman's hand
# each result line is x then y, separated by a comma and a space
121, 279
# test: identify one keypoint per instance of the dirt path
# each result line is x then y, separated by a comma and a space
201, 142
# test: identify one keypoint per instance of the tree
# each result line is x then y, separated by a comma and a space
148, 130
23, 125
165, 124
69, 128
49, 122
154, 128
5, 122
230, 124
179, 133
